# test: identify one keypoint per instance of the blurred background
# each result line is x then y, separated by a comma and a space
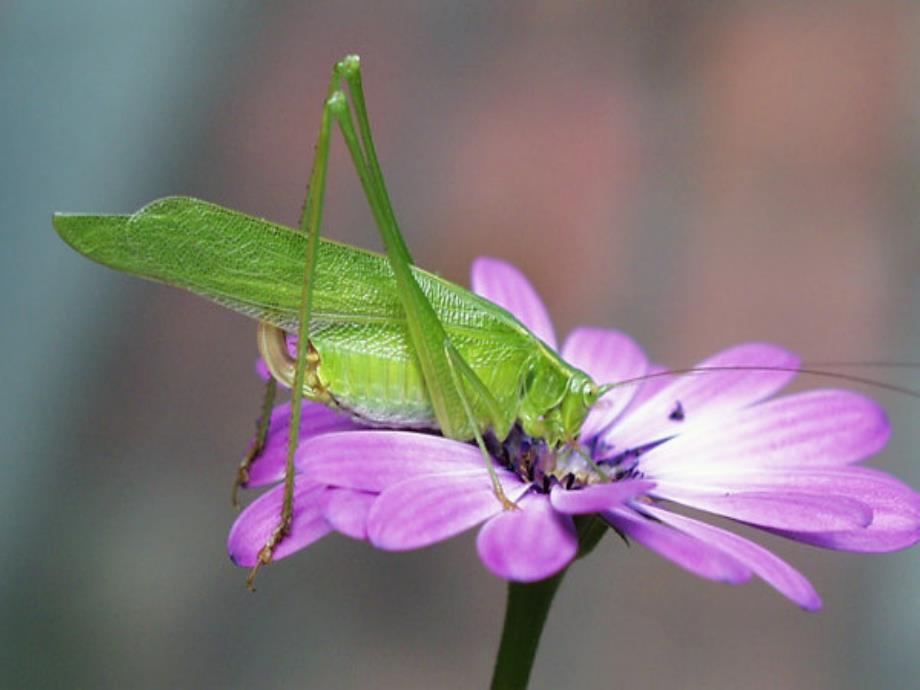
696, 174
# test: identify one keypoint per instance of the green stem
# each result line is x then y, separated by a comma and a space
526, 613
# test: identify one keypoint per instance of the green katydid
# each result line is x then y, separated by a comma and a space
377, 338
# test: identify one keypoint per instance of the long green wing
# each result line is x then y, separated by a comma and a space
255, 267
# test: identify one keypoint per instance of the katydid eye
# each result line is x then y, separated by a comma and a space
589, 394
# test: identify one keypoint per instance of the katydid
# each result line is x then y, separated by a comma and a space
378, 338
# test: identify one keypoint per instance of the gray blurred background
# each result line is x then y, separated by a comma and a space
694, 173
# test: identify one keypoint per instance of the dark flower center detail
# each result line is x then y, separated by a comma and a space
536, 463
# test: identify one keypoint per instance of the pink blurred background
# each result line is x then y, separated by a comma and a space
697, 174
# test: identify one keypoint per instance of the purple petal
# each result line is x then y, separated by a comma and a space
770, 568
255, 524
346, 511
597, 497
607, 357
649, 387
686, 551
896, 514
425, 510
501, 283
705, 397
806, 512
375, 460
866, 484
877, 538
528, 544
646, 389
315, 419
895, 506
822, 427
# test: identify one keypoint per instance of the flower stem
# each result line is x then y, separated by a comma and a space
526, 613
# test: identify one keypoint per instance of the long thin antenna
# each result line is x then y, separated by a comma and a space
862, 380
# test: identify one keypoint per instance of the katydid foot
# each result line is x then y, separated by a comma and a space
267, 552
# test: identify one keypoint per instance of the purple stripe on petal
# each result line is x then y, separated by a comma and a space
684, 550
607, 357
315, 419
375, 460
822, 427
503, 284
346, 511
528, 544
705, 397
425, 510
256, 523
597, 497
770, 568
806, 512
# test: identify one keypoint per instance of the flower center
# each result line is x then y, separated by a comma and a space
570, 466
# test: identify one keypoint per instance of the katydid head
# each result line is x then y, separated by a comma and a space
578, 401
555, 406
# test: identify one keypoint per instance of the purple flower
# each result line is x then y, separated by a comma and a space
712, 442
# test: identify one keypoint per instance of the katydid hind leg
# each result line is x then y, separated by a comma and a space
258, 442
443, 367
425, 330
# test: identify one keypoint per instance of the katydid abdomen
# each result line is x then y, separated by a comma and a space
358, 326
371, 373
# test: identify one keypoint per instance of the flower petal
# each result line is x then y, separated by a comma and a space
806, 512
315, 419
817, 428
895, 520
705, 397
346, 511
895, 506
428, 509
597, 497
879, 537
500, 282
528, 544
374, 460
770, 568
684, 550
262, 369
607, 357
255, 524
655, 381
645, 390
